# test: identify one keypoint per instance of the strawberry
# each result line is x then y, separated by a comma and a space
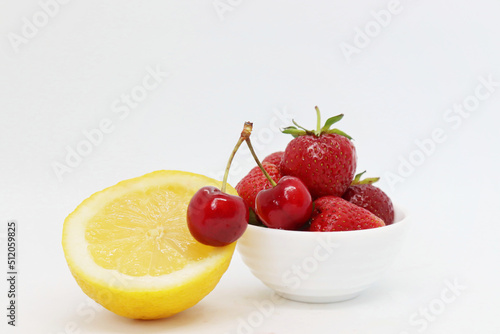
364, 194
255, 181
324, 159
274, 158
333, 213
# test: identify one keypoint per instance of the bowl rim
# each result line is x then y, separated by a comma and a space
397, 208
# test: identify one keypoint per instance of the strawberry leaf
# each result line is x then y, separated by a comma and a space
369, 180
357, 179
253, 220
298, 130
339, 132
297, 125
329, 122
292, 130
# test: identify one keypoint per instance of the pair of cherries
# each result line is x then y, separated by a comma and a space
216, 218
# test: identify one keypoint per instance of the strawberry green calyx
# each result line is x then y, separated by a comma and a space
245, 134
357, 179
298, 130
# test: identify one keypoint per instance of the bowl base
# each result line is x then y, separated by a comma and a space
318, 299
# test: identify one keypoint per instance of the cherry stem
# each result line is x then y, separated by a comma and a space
245, 134
318, 120
266, 174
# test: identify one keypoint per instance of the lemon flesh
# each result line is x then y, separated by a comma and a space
129, 247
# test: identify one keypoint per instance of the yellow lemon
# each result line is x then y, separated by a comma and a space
129, 247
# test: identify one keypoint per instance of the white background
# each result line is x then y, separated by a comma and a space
264, 61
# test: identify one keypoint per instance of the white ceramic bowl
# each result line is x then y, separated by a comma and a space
322, 267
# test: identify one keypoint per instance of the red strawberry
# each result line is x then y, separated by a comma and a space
324, 159
255, 181
373, 199
274, 158
333, 213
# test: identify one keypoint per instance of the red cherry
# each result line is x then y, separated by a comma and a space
215, 218
287, 206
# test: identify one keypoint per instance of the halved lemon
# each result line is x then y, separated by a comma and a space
129, 247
